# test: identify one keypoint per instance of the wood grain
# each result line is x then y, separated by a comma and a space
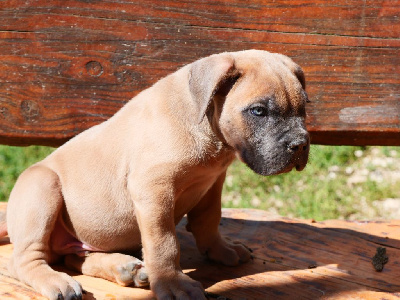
68, 65
293, 259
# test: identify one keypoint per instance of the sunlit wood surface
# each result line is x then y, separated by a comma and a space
293, 259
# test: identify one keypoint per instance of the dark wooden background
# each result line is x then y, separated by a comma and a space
68, 65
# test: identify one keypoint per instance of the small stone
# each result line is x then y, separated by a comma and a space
358, 153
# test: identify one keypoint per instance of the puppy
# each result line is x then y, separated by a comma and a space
123, 185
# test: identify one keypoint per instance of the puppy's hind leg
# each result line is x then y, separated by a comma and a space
33, 207
120, 268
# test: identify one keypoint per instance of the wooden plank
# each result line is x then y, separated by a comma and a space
293, 259
66, 66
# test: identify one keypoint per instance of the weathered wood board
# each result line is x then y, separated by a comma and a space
68, 65
293, 259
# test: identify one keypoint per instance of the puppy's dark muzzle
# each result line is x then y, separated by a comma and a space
299, 149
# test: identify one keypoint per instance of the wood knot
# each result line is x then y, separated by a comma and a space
94, 68
4, 112
30, 110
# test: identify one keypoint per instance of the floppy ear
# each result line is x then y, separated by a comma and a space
298, 71
209, 76
295, 68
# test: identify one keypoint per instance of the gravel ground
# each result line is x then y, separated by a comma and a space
382, 168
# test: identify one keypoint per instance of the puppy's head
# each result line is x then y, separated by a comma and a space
255, 102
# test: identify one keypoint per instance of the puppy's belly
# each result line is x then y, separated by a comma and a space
98, 235
62, 242
109, 225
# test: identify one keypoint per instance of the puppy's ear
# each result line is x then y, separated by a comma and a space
295, 68
298, 71
209, 76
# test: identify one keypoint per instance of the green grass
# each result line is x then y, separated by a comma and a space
322, 191
306, 194
13, 160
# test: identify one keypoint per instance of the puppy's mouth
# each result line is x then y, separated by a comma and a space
298, 163
278, 165
288, 169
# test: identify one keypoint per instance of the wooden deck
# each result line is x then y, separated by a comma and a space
293, 259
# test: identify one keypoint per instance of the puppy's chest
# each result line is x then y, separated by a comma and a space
191, 192
195, 191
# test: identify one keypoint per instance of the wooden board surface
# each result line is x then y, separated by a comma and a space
293, 259
68, 65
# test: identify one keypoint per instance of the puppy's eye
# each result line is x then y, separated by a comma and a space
258, 111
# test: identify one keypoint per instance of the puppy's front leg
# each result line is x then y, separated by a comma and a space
203, 222
155, 214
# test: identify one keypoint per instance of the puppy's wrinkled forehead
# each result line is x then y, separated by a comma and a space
274, 77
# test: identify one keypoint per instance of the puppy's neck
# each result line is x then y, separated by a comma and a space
210, 143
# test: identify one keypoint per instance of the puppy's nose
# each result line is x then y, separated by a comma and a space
298, 145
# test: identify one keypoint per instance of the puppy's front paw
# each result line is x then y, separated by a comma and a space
60, 286
228, 253
177, 286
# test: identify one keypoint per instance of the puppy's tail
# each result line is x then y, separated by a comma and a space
3, 223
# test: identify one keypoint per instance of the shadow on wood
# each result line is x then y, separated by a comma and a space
301, 259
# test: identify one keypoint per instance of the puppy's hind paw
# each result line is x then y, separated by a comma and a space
133, 272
